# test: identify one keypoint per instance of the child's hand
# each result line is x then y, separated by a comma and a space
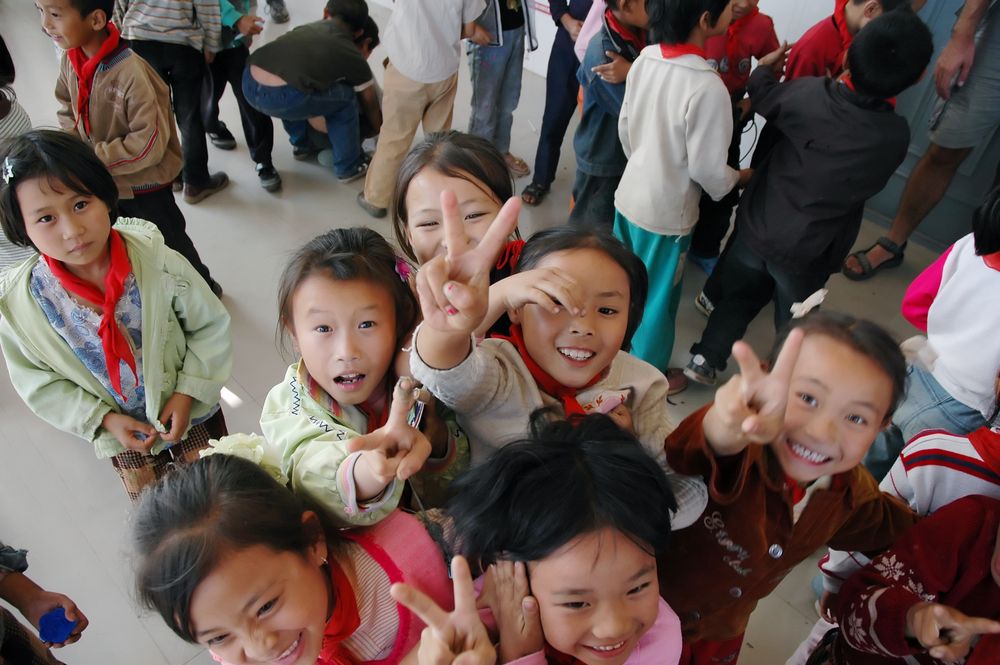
750, 407
744, 179
515, 611
394, 450
776, 59
459, 637
250, 25
479, 35
826, 604
45, 601
614, 71
546, 287
454, 289
177, 412
945, 632
131, 433
572, 25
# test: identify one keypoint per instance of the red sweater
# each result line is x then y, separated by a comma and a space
819, 52
756, 38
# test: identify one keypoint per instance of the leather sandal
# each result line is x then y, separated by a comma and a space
534, 193
867, 269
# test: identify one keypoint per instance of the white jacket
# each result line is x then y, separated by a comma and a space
675, 125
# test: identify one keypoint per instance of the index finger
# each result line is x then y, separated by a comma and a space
420, 604
979, 626
455, 239
501, 228
465, 593
788, 356
403, 398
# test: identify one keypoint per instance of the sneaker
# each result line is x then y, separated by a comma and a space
303, 153
222, 138
278, 11
700, 371
676, 381
178, 184
370, 208
706, 263
216, 183
269, 178
325, 157
703, 304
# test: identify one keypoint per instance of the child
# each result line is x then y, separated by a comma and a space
921, 600
781, 455
750, 35
569, 523
600, 160
421, 80
801, 212
344, 302
561, 89
227, 67
237, 563
13, 121
139, 371
675, 125
566, 355
113, 100
954, 301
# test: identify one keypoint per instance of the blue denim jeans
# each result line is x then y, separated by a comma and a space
338, 105
496, 87
926, 406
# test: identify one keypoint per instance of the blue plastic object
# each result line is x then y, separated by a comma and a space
54, 627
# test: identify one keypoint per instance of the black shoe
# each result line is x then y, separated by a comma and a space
222, 138
304, 153
278, 11
269, 178
195, 193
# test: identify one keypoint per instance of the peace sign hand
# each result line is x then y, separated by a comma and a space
458, 637
750, 407
395, 450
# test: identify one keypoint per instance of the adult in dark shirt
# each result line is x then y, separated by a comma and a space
315, 75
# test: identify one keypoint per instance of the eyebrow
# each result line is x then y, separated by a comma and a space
645, 570
611, 294
320, 310
438, 210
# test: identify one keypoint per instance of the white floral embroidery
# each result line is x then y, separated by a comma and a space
856, 629
890, 567
917, 589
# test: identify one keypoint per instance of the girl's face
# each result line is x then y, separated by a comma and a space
424, 230
837, 403
597, 595
70, 227
263, 606
346, 333
574, 349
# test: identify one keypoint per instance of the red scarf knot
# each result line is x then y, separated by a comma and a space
677, 50
636, 38
85, 69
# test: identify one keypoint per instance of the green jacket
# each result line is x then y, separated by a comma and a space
186, 345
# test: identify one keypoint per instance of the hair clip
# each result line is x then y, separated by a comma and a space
403, 269
8, 170
800, 309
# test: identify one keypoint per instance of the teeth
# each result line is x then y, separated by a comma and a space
809, 455
577, 354
349, 378
289, 650
610, 647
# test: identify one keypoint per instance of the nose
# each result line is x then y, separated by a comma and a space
584, 323
611, 622
261, 646
822, 428
71, 228
346, 347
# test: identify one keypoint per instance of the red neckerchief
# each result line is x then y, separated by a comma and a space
987, 651
840, 21
85, 69
116, 346
987, 443
676, 50
549, 385
797, 490
992, 260
846, 80
342, 623
733, 38
511, 254
554, 657
636, 39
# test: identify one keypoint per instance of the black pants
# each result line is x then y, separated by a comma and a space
740, 286
561, 88
714, 216
258, 128
183, 68
594, 201
160, 208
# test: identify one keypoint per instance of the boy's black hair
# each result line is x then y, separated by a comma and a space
889, 54
191, 518
568, 479
986, 224
869, 339
88, 7
348, 254
65, 160
562, 238
369, 32
352, 12
671, 21
889, 5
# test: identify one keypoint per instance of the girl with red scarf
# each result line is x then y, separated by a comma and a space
108, 335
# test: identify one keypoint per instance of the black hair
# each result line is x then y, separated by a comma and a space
672, 21
60, 157
194, 516
563, 238
889, 5
889, 54
869, 339
7, 74
986, 224
533, 496
456, 155
348, 254
88, 7
369, 33
353, 13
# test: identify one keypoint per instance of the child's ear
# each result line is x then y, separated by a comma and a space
317, 552
98, 20
873, 8
290, 329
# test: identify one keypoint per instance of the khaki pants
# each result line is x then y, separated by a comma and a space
405, 105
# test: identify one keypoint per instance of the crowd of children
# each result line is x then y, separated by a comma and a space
470, 458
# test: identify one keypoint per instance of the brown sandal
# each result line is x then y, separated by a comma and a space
534, 194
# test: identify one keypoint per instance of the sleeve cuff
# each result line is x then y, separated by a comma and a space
349, 491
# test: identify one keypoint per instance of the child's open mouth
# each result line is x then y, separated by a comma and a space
576, 355
805, 454
350, 381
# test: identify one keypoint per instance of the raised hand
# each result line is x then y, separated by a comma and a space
776, 59
945, 632
395, 450
458, 637
515, 611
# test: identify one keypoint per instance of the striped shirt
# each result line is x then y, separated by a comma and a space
15, 123
194, 23
376, 636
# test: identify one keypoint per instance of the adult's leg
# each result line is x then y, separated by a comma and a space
441, 105
486, 70
510, 88
561, 88
343, 127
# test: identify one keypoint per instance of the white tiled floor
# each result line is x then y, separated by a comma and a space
68, 508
